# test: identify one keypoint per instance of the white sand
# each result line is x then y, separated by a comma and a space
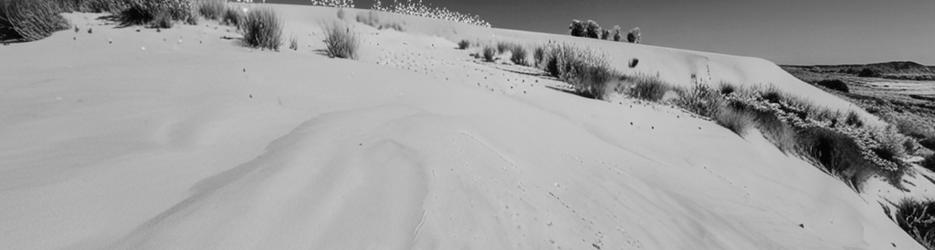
197, 143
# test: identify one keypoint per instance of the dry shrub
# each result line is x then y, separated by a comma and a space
518, 55
29, 20
212, 9
262, 29
340, 41
141, 12
918, 219
649, 88
233, 16
589, 73
464, 44
489, 53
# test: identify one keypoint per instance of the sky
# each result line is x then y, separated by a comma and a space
802, 32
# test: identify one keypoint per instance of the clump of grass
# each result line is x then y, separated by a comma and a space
538, 55
141, 12
489, 53
464, 44
699, 99
587, 72
518, 55
232, 16
262, 29
503, 47
918, 219
29, 20
212, 9
340, 42
162, 20
293, 43
649, 88
928, 162
737, 121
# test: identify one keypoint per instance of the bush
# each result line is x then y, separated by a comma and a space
262, 29
577, 28
634, 35
918, 219
212, 9
233, 16
293, 43
699, 99
589, 73
464, 44
605, 35
538, 55
340, 42
29, 20
489, 53
162, 20
504, 47
141, 12
648, 88
840, 156
593, 30
853, 119
735, 120
518, 55
928, 162
617, 36
834, 84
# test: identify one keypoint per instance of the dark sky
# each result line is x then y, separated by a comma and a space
784, 31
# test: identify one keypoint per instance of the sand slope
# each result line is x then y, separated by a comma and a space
182, 140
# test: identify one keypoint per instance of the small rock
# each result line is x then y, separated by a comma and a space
90, 31
802, 225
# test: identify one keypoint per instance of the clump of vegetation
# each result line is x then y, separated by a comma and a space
140, 12
29, 20
503, 47
592, 29
834, 84
340, 41
918, 219
518, 55
649, 88
262, 29
617, 36
293, 43
577, 28
464, 44
588, 72
928, 162
212, 9
737, 121
867, 72
634, 35
373, 20
233, 16
489, 53
538, 55
162, 20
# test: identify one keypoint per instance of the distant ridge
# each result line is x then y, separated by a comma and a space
905, 70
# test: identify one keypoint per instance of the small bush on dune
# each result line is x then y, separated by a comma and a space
577, 28
212, 9
162, 20
262, 29
489, 53
538, 55
29, 20
464, 44
834, 84
141, 12
699, 99
340, 42
503, 47
634, 35
293, 43
518, 55
232, 16
918, 219
737, 121
589, 73
593, 30
648, 88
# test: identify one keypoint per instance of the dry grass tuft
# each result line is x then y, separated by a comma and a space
340, 41
262, 29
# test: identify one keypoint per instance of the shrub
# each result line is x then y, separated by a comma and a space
489, 53
464, 44
648, 88
589, 73
592, 29
735, 120
212, 9
834, 84
616, 33
162, 20
699, 99
518, 55
634, 35
538, 55
918, 219
853, 119
293, 43
140, 12
233, 16
340, 42
262, 29
928, 162
605, 35
577, 28
504, 47
841, 156
29, 20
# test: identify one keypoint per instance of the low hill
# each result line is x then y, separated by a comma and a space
889, 70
